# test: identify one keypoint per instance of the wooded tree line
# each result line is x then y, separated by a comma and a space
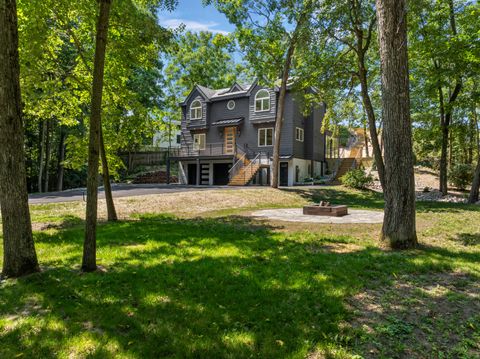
101, 77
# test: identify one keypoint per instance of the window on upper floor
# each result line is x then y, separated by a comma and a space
265, 137
262, 101
179, 139
199, 141
196, 110
299, 134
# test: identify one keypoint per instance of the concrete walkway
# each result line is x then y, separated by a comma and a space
122, 190
296, 215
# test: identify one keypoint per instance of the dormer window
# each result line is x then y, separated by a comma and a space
262, 101
196, 110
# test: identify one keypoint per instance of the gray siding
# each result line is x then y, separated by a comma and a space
247, 136
263, 114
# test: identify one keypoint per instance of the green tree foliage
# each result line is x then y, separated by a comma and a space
445, 58
197, 59
57, 45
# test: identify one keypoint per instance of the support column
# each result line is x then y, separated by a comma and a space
198, 172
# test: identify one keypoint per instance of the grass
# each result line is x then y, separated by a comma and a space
212, 283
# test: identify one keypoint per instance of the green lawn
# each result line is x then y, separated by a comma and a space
225, 286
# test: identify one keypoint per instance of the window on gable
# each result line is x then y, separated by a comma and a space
265, 137
196, 110
199, 141
299, 134
262, 101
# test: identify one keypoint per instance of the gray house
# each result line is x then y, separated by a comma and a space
227, 137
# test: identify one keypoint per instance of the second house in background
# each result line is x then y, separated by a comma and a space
228, 134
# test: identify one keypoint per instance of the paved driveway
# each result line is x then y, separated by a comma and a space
121, 190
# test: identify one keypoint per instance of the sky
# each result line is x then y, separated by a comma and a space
196, 17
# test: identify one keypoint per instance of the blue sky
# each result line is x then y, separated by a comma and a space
196, 17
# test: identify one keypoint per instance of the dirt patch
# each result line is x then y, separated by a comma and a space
419, 316
334, 248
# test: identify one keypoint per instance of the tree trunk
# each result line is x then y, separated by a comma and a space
474, 191
41, 155
367, 154
47, 156
19, 257
279, 117
367, 104
443, 155
399, 221
111, 212
61, 158
89, 261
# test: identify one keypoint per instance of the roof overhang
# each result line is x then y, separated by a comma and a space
228, 122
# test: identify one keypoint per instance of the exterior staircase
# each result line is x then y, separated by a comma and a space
354, 159
244, 170
244, 175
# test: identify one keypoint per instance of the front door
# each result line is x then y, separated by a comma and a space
229, 134
283, 173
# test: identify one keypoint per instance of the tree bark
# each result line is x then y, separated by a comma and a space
47, 156
61, 158
89, 260
41, 155
367, 154
445, 120
399, 222
367, 104
282, 96
474, 191
19, 256
279, 116
111, 212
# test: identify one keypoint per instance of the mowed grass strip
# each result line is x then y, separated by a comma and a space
233, 287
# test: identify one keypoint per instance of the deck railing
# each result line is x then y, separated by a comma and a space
211, 149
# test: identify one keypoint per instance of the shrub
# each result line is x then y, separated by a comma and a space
461, 175
356, 178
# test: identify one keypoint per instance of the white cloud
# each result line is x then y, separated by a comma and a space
192, 25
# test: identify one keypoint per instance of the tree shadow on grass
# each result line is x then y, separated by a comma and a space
207, 288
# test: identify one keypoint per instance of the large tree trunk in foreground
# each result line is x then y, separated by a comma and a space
399, 222
19, 257
89, 261
111, 212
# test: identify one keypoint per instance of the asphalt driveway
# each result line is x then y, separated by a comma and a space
121, 190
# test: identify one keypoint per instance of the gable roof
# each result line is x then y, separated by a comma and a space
236, 90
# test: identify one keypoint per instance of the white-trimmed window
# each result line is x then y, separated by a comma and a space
231, 105
199, 141
265, 137
196, 110
262, 101
299, 135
